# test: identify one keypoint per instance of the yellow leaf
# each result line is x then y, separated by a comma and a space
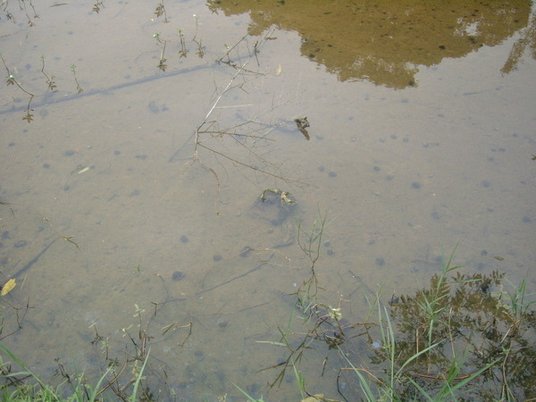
8, 286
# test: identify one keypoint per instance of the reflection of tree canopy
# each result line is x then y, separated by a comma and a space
383, 40
528, 39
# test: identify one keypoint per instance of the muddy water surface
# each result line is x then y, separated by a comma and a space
422, 136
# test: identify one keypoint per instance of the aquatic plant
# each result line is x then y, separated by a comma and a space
462, 337
11, 80
23, 384
160, 10
79, 89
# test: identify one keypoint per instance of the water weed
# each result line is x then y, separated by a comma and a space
462, 337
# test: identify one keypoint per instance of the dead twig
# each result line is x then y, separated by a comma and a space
218, 99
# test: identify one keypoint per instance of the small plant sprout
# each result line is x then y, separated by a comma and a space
49, 79
69, 239
22, 7
160, 10
11, 80
310, 246
162, 62
200, 48
79, 89
256, 51
183, 51
28, 116
196, 20
98, 6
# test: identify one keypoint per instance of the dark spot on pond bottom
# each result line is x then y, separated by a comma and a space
184, 239
416, 185
199, 355
177, 276
254, 389
21, 243
245, 251
380, 261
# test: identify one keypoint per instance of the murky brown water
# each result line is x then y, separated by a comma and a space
422, 131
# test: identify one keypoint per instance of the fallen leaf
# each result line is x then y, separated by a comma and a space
8, 286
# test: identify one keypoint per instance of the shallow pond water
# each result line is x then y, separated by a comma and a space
136, 148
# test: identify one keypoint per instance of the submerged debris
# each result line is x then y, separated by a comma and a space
284, 196
274, 205
8, 287
302, 124
177, 275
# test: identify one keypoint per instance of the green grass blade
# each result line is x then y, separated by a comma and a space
363, 382
138, 379
95, 392
250, 398
26, 371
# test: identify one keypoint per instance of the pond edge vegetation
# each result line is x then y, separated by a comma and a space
464, 337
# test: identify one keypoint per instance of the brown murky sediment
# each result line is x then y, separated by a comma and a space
421, 135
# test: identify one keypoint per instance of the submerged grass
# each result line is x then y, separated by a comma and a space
24, 385
464, 337
456, 340
388, 389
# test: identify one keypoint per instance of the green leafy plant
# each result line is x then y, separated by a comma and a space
24, 384
463, 337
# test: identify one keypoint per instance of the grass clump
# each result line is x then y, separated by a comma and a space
22, 384
468, 338
463, 337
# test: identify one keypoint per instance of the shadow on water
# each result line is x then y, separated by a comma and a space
385, 41
51, 98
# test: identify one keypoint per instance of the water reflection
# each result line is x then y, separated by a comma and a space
385, 41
